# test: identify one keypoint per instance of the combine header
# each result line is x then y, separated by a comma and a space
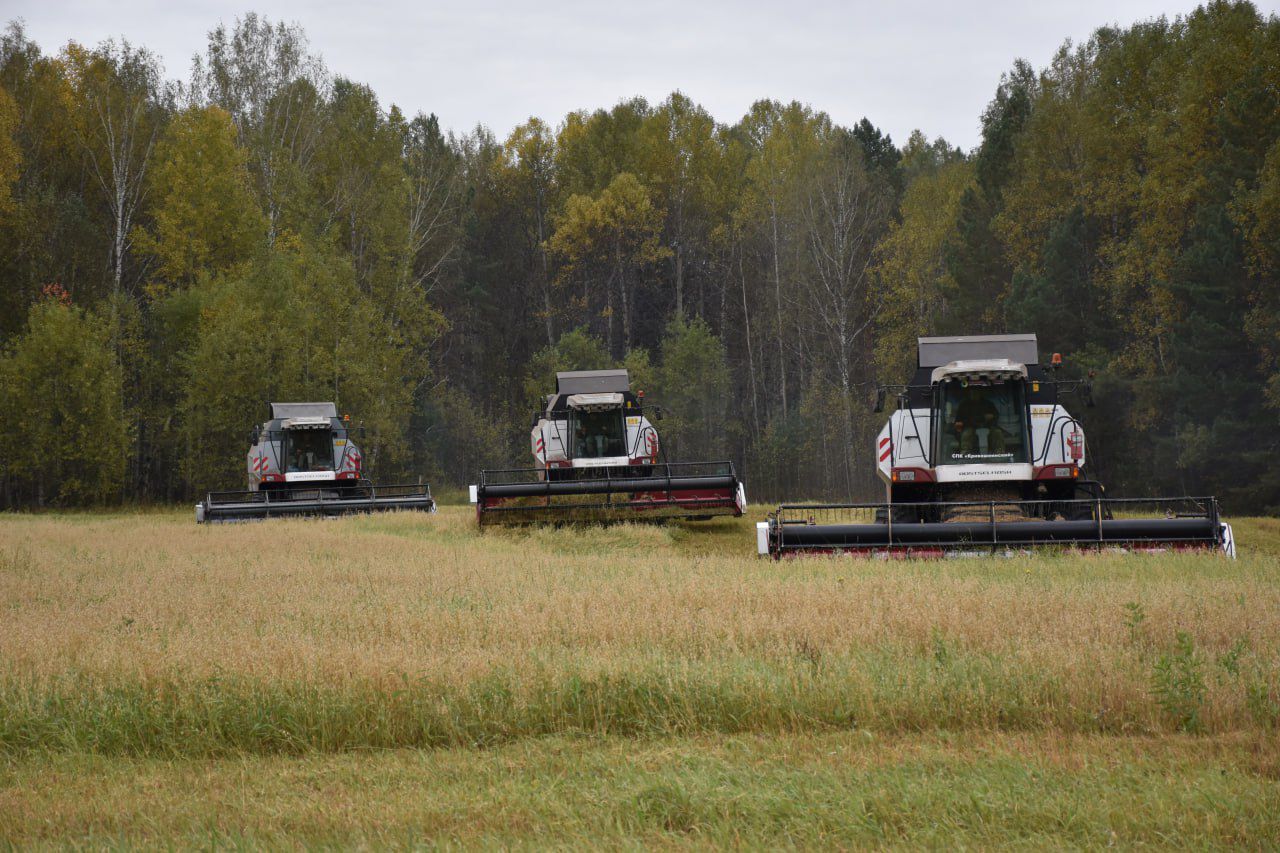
981, 456
303, 461
598, 459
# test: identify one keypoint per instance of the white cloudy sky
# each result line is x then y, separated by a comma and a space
931, 65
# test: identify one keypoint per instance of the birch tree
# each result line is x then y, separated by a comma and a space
435, 186
678, 162
264, 76
120, 105
785, 142
846, 212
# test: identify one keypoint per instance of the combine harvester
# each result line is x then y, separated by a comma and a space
981, 456
597, 459
302, 461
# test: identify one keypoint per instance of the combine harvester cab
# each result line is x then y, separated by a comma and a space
304, 461
981, 456
598, 459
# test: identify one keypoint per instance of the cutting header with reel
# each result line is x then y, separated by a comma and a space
304, 461
598, 458
981, 453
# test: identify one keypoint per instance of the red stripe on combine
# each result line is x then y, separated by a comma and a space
883, 442
885, 455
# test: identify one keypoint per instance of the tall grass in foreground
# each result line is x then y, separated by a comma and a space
147, 635
848, 790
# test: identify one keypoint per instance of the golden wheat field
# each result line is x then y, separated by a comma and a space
407, 680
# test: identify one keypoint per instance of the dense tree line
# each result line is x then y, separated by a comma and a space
174, 254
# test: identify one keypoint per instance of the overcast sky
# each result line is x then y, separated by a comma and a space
927, 65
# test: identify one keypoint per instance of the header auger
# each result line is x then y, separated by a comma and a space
304, 461
598, 458
981, 455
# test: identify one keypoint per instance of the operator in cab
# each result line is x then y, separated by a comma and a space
591, 440
976, 412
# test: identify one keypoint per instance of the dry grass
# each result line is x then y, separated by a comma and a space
146, 633
164, 684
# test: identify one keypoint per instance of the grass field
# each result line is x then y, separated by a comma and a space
403, 679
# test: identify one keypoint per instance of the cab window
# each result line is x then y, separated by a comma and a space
309, 450
598, 434
982, 424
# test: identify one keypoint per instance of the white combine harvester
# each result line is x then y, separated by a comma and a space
598, 458
304, 461
982, 455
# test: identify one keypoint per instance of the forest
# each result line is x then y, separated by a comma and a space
176, 252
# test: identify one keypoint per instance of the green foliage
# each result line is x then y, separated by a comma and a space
912, 261
118, 105
878, 152
641, 370
1134, 619
607, 243
694, 379
293, 327
1059, 300
1124, 204
206, 218
1177, 683
460, 439
1262, 702
60, 385
10, 155
575, 350
1229, 661
266, 78
1258, 212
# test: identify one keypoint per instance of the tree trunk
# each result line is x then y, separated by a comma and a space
608, 312
777, 286
626, 310
546, 279
679, 281
751, 362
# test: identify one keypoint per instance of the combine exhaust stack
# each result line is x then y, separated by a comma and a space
304, 462
598, 460
981, 455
